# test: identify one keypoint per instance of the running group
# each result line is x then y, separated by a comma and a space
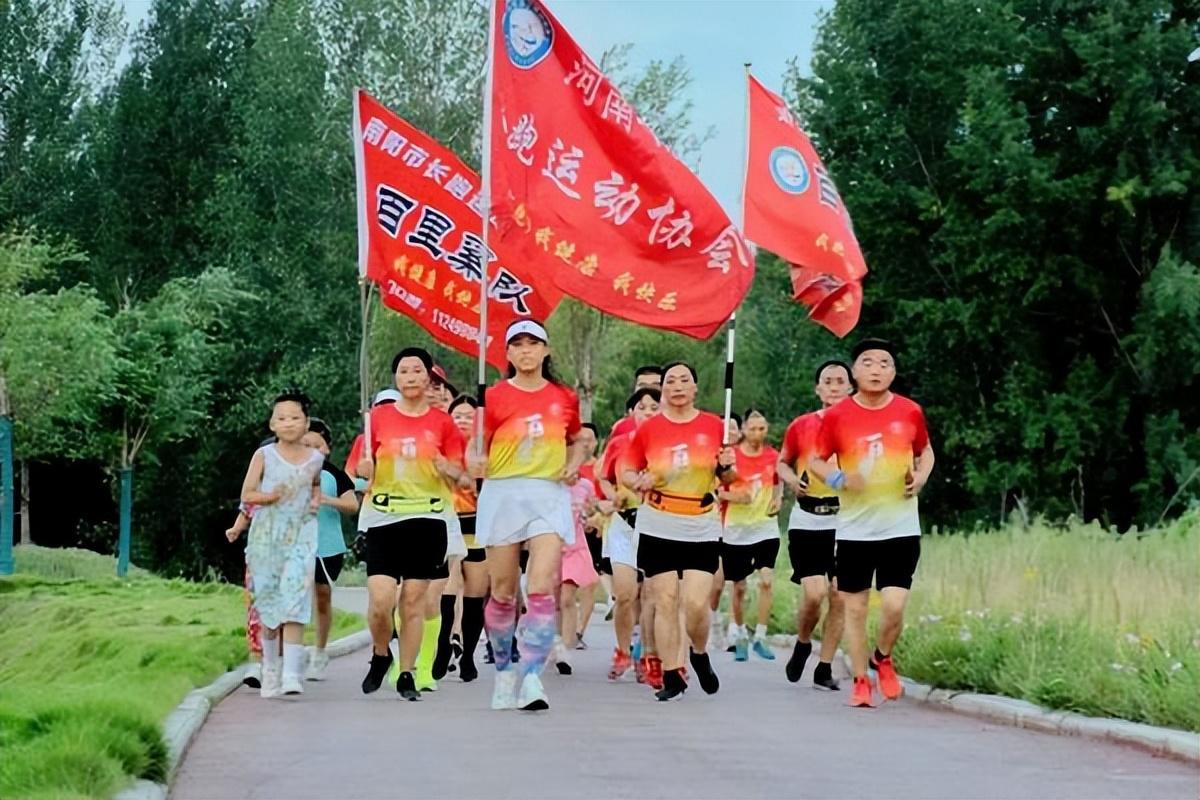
504, 528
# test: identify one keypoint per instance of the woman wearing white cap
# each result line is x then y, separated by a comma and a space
531, 422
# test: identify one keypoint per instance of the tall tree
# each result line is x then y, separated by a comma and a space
1015, 172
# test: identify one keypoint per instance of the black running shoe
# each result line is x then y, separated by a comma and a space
823, 678
704, 672
673, 686
407, 687
563, 667
377, 672
795, 664
489, 657
467, 670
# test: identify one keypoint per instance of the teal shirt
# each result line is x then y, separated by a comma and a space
330, 541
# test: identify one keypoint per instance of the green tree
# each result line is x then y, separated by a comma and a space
1014, 172
57, 360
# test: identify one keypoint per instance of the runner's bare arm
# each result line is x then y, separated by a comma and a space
250, 492
575, 457
919, 475
347, 503
239, 526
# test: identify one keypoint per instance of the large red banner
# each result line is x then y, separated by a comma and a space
582, 185
793, 209
419, 236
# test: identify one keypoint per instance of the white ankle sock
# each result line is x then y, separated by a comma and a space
270, 653
293, 658
760, 632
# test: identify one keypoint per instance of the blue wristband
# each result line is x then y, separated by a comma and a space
837, 480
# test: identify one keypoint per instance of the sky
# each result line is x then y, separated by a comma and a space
715, 37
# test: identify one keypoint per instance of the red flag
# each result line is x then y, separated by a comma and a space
792, 208
583, 188
831, 301
419, 224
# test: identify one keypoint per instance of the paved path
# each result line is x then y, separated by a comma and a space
758, 737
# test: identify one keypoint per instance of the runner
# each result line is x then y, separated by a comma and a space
578, 575
718, 638
884, 459
676, 460
621, 549
645, 377
473, 568
531, 422
589, 440
283, 483
751, 542
414, 455
811, 532
337, 498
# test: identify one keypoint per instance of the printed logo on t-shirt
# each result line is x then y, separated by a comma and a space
874, 450
679, 456
756, 484
408, 447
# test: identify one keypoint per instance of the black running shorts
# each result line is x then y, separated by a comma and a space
891, 561
409, 548
656, 556
811, 553
332, 565
743, 560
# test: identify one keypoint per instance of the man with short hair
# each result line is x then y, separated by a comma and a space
883, 460
811, 531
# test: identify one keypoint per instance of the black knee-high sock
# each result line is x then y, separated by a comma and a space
442, 660
472, 628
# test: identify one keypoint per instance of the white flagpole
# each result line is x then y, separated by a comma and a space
741, 215
486, 169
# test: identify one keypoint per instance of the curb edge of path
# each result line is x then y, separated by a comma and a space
1167, 742
181, 725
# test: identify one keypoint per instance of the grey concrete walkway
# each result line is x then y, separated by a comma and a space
758, 737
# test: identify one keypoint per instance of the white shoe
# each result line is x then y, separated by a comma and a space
252, 677
504, 691
270, 683
291, 684
533, 696
317, 664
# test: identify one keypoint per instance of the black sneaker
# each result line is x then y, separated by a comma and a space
467, 670
377, 672
823, 678
795, 664
704, 672
489, 657
673, 686
407, 687
563, 668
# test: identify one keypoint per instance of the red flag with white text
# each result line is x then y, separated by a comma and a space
582, 188
792, 208
419, 226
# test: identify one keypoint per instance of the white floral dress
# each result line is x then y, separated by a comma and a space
281, 549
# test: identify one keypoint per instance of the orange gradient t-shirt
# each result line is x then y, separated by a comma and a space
749, 523
527, 432
683, 458
405, 448
877, 444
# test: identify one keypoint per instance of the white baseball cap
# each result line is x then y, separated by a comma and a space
386, 396
526, 327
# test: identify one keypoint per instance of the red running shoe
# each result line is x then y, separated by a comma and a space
654, 673
639, 669
620, 665
863, 695
889, 681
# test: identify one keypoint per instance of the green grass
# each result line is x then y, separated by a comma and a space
91, 665
1074, 618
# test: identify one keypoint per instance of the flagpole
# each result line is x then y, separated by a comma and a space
741, 215
364, 361
486, 192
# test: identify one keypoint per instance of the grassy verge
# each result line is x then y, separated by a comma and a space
1072, 618
90, 666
